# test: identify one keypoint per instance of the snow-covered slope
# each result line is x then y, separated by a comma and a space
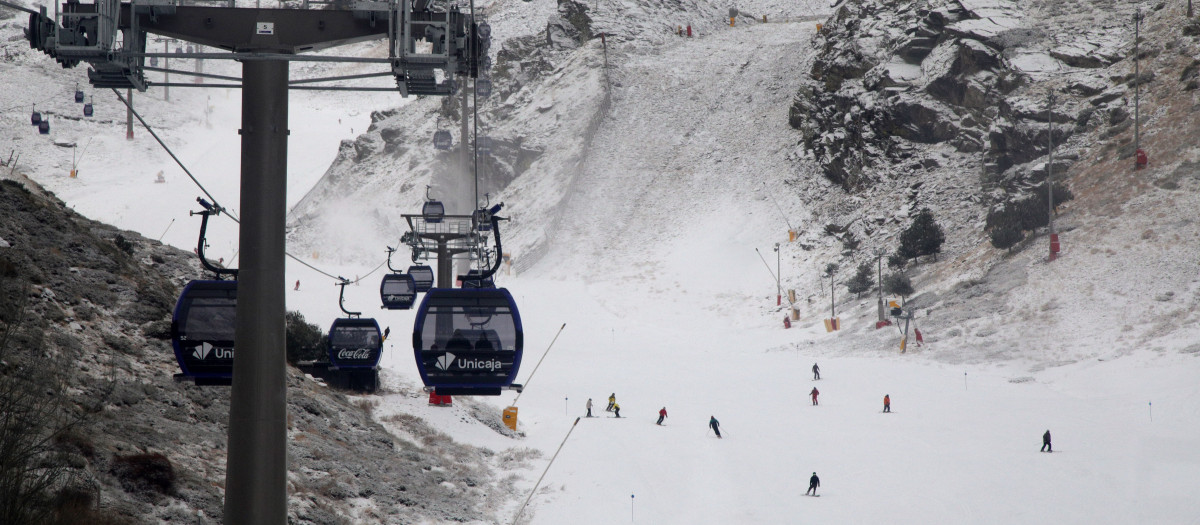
639, 234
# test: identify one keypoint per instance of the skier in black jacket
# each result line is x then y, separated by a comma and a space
1046, 442
715, 425
813, 483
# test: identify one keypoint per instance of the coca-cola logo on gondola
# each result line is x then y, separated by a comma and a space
354, 353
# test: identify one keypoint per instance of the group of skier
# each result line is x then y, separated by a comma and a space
715, 425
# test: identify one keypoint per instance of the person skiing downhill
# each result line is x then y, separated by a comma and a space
662, 414
813, 483
616, 410
714, 425
814, 394
816, 372
887, 403
1046, 442
589, 407
612, 400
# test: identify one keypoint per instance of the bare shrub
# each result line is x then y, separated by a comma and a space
145, 474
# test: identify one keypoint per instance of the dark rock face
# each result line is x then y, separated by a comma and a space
571, 27
944, 79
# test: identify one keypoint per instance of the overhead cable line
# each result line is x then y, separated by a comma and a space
172, 154
213, 199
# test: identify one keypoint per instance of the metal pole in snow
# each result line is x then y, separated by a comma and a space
964, 380
1050, 168
764, 260
564, 405
778, 273
164, 233
1137, 86
1151, 405
879, 260
539, 363
539, 481
128, 114
631, 508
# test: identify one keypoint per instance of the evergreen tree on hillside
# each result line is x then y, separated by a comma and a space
1007, 235
898, 284
863, 280
303, 340
923, 237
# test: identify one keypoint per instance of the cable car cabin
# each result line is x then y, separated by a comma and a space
483, 88
355, 343
398, 291
433, 211
35, 118
78, 96
483, 144
422, 276
442, 139
468, 342
88, 110
153, 61
44, 127
476, 282
202, 330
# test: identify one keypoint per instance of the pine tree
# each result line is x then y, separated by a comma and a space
923, 237
1007, 235
898, 284
863, 280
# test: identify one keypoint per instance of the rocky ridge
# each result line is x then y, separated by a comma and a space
89, 307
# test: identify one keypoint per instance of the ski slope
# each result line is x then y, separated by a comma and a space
665, 304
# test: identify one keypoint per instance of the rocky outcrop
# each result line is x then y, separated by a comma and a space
941, 72
570, 27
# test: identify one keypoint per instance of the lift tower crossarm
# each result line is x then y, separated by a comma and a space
275, 30
243, 29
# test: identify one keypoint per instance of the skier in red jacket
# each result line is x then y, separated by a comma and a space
814, 394
662, 414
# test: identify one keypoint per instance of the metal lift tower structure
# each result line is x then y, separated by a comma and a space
111, 36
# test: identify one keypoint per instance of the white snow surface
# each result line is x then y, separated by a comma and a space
653, 271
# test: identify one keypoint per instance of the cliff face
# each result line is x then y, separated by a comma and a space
891, 77
86, 384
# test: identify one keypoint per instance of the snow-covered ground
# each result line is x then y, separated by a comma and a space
691, 324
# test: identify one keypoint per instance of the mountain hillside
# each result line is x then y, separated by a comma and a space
901, 107
86, 323
648, 178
